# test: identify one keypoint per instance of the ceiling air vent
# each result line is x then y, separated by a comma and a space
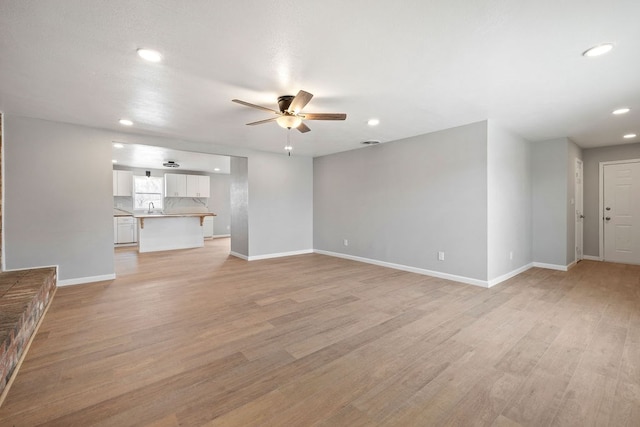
170, 164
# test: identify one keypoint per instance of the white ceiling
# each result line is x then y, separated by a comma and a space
150, 157
419, 66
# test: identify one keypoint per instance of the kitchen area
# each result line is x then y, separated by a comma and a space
166, 199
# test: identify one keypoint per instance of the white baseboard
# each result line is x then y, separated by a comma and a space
237, 255
279, 255
591, 258
551, 266
461, 279
509, 275
83, 280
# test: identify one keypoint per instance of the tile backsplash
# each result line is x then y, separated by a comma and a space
170, 203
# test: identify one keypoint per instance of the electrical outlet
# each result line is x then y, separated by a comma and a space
440, 256
345, 242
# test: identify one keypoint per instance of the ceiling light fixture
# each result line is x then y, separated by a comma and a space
216, 169
630, 135
117, 145
373, 122
619, 111
289, 121
125, 122
114, 161
149, 55
598, 50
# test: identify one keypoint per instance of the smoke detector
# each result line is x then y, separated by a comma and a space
170, 164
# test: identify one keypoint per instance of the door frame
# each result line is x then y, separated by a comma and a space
601, 199
579, 222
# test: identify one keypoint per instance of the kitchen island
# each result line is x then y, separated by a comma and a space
165, 232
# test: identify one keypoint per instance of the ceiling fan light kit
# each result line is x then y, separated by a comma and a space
288, 121
289, 115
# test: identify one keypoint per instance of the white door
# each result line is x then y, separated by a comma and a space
621, 213
579, 210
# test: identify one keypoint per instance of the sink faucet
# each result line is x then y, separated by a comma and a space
151, 206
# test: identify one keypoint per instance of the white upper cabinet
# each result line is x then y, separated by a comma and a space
181, 185
197, 186
175, 185
122, 183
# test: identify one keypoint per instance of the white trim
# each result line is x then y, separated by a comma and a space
509, 275
591, 258
219, 236
279, 255
578, 221
83, 280
462, 279
601, 166
237, 255
551, 266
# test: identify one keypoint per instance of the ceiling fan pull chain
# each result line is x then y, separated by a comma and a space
288, 147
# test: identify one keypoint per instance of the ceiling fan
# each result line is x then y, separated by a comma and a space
289, 115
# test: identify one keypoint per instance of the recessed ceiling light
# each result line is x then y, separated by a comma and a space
373, 122
630, 135
149, 55
601, 49
125, 122
117, 145
114, 161
216, 169
619, 111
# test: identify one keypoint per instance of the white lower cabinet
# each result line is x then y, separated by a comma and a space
125, 230
207, 227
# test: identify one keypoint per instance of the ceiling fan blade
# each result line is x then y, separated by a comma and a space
323, 116
298, 103
303, 128
262, 121
247, 104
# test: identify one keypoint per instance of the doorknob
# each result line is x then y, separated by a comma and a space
607, 218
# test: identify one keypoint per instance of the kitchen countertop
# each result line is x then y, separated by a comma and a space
142, 216
161, 215
121, 212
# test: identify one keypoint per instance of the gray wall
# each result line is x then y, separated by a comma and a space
239, 206
553, 191
220, 203
592, 158
284, 202
402, 202
54, 212
549, 196
58, 198
509, 201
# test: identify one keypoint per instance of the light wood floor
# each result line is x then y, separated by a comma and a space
196, 337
